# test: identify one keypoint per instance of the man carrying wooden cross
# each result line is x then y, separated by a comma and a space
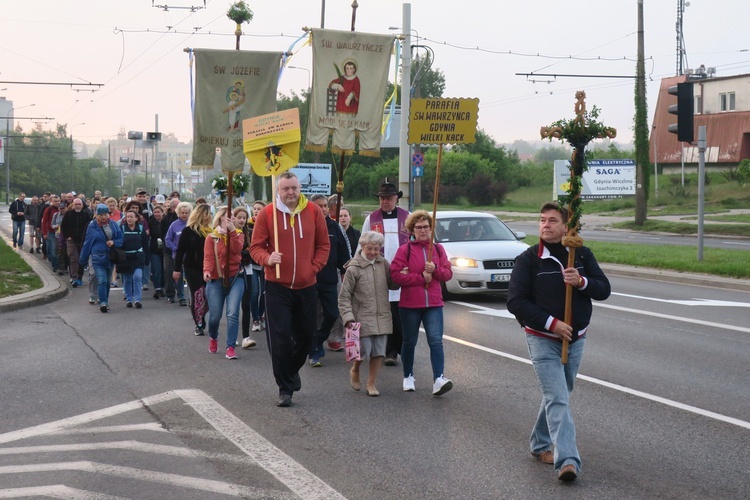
536, 296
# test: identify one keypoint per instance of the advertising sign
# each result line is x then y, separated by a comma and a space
604, 179
314, 178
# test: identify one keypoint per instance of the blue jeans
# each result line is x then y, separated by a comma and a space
432, 320
157, 270
51, 243
216, 301
554, 423
132, 283
257, 293
103, 274
19, 229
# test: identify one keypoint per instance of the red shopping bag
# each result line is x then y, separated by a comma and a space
352, 342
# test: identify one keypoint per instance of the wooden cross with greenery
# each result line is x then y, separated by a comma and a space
578, 132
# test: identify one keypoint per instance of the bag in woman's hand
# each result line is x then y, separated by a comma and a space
352, 342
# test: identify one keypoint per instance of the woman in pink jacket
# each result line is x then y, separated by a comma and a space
421, 298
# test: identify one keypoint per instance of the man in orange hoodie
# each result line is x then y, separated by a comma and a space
291, 300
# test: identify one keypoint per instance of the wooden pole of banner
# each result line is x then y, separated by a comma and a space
339, 189
275, 224
354, 13
434, 202
230, 182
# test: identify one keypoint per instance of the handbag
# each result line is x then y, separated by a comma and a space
117, 255
352, 342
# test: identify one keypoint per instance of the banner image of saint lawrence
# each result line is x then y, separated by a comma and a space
350, 72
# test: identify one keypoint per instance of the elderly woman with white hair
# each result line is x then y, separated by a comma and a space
364, 298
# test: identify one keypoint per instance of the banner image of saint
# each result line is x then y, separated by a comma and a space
350, 72
231, 85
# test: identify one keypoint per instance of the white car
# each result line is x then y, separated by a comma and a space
481, 248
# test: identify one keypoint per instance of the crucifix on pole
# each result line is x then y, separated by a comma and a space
578, 132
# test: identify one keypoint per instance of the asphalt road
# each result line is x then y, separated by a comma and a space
131, 404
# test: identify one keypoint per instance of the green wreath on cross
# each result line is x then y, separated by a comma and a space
577, 132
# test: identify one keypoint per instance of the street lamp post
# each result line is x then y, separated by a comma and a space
7, 149
309, 78
72, 154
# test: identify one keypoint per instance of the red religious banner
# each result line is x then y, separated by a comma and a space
350, 73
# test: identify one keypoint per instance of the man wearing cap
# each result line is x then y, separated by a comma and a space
390, 221
73, 229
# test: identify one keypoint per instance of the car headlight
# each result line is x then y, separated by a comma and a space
463, 262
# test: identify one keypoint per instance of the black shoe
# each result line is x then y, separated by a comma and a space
129, 305
390, 361
297, 382
103, 308
170, 300
161, 293
199, 331
156, 295
138, 305
285, 400
38, 250
183, 302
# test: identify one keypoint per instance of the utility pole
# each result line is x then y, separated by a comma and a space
701, 185
404, 159
641, 129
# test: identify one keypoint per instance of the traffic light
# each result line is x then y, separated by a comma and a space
684, 111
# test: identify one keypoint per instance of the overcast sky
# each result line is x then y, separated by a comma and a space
479, 45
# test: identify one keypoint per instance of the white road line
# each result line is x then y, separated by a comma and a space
113, 428
279, 464
85, 418
56, 491
176, 480
627, 390
712, 324
158, 449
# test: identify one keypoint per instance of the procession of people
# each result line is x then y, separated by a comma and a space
298, 276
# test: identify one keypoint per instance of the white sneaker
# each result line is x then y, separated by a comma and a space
247, 343
256, 326
409, 384
440, 387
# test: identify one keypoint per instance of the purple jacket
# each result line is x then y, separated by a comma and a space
413, 255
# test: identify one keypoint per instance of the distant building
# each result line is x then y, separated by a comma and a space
722, 105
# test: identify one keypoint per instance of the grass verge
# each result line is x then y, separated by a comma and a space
718, 261
16, 276
686, 227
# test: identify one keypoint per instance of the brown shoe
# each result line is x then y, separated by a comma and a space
546, 457
567, 473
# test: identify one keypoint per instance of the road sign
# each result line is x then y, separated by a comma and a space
417, 159
416, 171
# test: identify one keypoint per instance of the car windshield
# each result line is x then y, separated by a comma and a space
472, 229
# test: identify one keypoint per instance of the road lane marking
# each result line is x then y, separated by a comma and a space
177, 480
290, 473
293, 475
693, 302
610, 385
712, 324
114, 428
56, 491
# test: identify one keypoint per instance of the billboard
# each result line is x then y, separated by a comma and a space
314, 178
604, 179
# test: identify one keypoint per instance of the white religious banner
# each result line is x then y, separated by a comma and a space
350, 73
231, 85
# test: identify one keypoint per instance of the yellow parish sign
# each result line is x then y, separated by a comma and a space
271, 142
443, 121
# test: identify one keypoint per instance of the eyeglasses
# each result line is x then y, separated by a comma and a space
422, 228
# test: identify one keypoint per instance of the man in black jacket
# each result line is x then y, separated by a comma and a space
73, 229
327, 281
17, 211
536, 296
